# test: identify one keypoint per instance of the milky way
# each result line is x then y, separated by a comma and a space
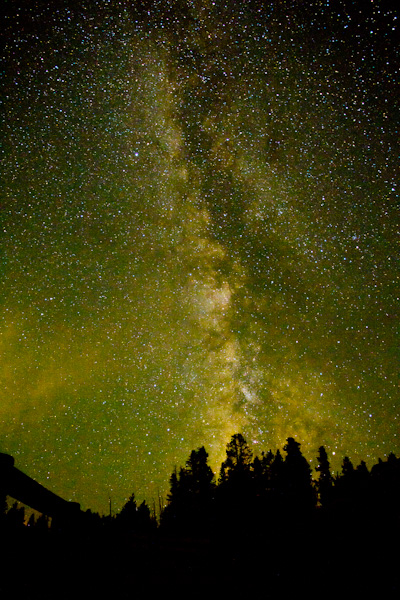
198, 236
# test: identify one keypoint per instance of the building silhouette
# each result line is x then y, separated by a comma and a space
23, 488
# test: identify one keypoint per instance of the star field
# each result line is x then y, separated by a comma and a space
198, 236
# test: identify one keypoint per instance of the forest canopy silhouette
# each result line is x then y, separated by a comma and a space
230, 530
247, 492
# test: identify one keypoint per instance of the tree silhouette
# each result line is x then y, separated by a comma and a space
16, 516
325, 481
347, 467
238, 460
298, 487
134, 519
127, 518
259, 476
191, 494
362, 484
235, 490
385, 480
32, 521
200, 477
345, 484
277, 474
43, 523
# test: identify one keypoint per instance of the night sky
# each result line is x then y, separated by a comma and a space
197, 237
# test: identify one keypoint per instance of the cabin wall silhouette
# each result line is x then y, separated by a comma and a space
20, 486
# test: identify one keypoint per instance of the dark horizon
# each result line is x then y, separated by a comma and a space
258, 527
23, 489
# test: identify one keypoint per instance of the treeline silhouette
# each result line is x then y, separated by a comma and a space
264, 520
254, 494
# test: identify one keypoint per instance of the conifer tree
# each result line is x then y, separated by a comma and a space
235, 491
191, 492
126, 519
298, 483
325, 481
238, 459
